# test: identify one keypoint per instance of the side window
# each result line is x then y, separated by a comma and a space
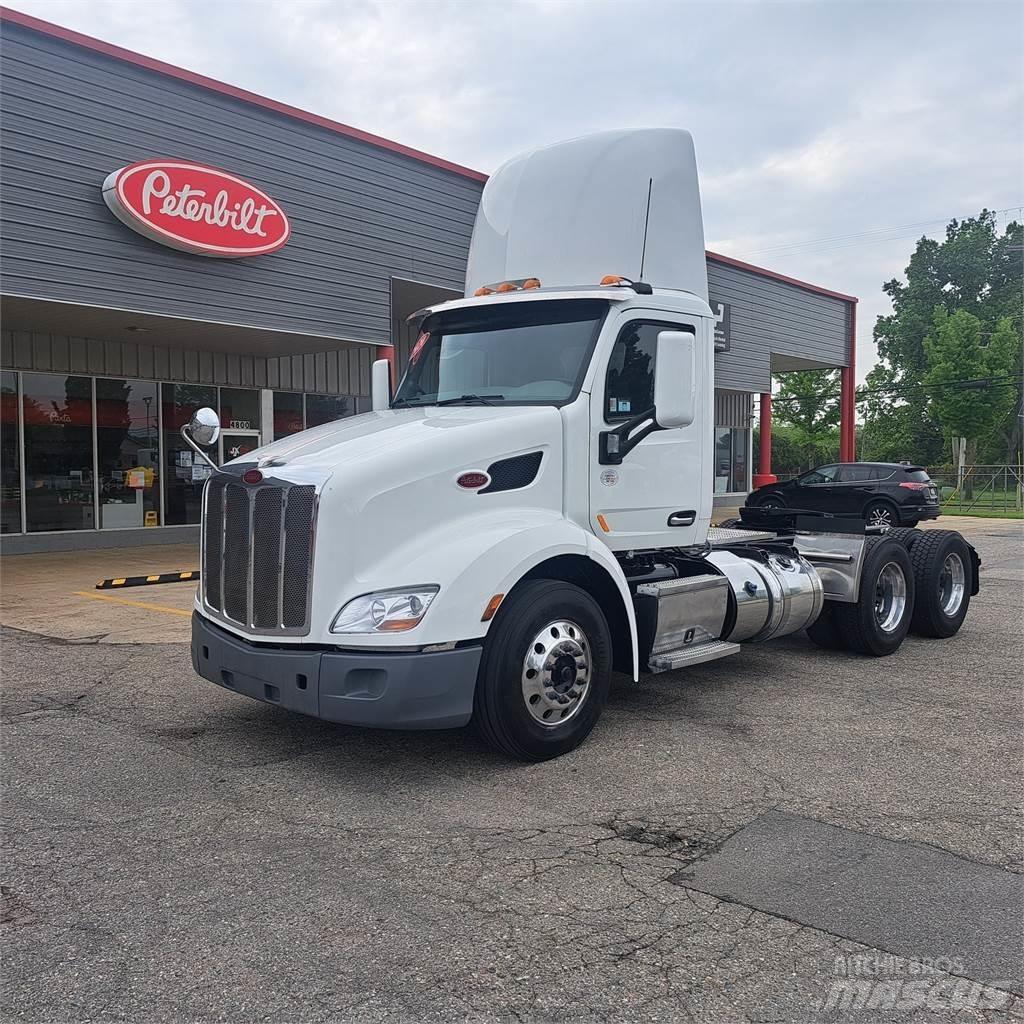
824, 475
629, 388
857, 474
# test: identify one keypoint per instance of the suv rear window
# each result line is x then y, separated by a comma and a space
918, 476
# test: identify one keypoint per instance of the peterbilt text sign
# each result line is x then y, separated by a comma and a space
196, 208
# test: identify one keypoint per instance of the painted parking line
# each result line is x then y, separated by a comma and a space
134, 604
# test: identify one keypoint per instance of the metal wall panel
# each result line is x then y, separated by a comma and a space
773, 316
733, 408
360, 214
328, 374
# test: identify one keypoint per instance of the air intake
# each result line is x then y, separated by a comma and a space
511, 474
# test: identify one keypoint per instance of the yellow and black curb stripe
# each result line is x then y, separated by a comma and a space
148, 581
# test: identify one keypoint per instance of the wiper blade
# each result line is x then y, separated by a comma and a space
466, 399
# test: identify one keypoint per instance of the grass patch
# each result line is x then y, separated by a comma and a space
984, 513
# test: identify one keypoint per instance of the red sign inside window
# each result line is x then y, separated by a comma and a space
196, 208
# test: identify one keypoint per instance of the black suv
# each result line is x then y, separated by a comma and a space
883, 493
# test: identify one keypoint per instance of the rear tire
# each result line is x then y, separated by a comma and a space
906, 535
943, 572
880, 619
545, 672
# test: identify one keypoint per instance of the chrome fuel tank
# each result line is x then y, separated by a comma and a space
779, 595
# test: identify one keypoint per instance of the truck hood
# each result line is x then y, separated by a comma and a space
453, 434
388, 504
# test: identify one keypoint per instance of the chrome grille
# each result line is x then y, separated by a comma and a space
257, 554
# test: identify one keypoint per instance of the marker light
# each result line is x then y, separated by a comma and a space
386, 611
492, 607
506, 286
482, 291
252, 476
531, 282
613, 279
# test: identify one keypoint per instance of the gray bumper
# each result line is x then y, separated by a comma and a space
390, 691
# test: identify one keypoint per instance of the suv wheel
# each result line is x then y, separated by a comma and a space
881, 513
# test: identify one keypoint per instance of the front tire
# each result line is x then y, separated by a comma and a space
880, 619
545, 672
772, 501
943, 574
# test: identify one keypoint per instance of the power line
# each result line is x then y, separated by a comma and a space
966, 384
856, 238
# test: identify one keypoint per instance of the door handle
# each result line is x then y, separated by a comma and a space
684, 518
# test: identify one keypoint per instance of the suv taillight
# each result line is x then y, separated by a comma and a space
914, 486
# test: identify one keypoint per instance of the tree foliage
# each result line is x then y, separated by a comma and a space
805, 415
957, 350
975, 270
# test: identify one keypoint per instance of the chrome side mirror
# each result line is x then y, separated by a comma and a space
204, 427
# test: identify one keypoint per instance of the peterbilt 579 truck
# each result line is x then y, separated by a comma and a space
531, 509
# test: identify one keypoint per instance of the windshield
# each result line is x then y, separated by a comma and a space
531, 352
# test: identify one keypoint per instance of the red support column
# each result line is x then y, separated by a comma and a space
848, 397
764, 462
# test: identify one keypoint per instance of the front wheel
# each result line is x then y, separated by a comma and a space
545, 671
773, 501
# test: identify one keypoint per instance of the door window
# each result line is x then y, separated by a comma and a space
185, 472
822, 475
128, 453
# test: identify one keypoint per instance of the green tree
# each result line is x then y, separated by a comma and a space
805, 411
957, 349
974, 269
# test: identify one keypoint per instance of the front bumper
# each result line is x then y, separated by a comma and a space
404, 690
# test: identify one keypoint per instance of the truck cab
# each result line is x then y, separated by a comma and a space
531, 508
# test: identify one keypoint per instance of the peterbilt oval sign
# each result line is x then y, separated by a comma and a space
196, 208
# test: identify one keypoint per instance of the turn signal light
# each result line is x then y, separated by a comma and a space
492, 607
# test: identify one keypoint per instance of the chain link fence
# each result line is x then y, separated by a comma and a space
991, 489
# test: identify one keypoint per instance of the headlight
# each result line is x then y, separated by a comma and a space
386, 611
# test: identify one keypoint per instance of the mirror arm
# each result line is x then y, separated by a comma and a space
617, 443
199, 451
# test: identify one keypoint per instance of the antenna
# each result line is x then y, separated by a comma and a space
647, 221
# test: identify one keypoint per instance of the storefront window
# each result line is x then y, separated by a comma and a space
57, 413
10, 455
128, 457
184, 472
287, 413
731, 459
239, 409
325, 408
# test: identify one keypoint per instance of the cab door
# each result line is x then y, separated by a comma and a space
660, 493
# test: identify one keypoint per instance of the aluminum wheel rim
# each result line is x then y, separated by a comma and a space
880, 516
890, 597
952, 585
557, 672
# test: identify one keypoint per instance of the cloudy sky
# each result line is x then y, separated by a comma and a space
830, 134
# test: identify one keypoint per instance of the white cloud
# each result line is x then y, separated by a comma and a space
812, 120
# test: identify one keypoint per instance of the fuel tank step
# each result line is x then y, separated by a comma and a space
693, 654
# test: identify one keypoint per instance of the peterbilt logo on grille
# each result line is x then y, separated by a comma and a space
196, 209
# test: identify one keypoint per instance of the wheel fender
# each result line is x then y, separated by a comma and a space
476, 557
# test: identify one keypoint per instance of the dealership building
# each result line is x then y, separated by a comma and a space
120, 315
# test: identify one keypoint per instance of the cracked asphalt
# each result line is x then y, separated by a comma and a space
174, 852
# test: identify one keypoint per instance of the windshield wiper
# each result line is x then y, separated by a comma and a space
466, 399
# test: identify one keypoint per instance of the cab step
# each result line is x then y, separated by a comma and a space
693, 654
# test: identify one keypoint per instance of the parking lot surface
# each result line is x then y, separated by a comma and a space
784, 835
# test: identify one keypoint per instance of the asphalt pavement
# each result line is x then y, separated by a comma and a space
174, 852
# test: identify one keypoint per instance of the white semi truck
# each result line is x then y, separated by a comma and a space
532, 507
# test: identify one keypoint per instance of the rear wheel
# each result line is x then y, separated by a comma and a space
879, 620
881, 513
545, 672
942, 571
906, 535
